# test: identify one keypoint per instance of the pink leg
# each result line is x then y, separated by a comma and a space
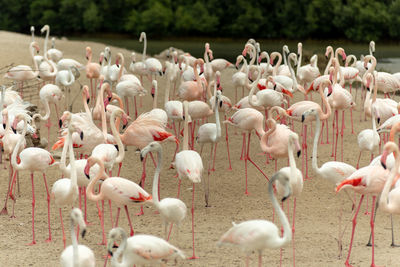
251, 161
117, 217
352, 231
337, 132
366, 207
33, 212
136, 112
293, 230
84, 197
62, 227
129, 220
358, 161
111, 215
119, 168
341, 136
4, 210
48, 207
351, 117
170, 231
227, 145
372, 231
245, 163
215, 153
127, 105
333, 134
194, 256
142, 183
101, 217
179, 187
306, 151
259, 259
243, 146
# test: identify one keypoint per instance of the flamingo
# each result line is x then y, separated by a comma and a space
256, 235
77, 255
138, 68
38, 58
192, 90
53, 53
32, 159
296, 111
188, 163
172, 210
23, 73
153, 65
66, 63
92, 69
248, 119
47, 68
65, 190
295, 182
239, 79
307, 73
140, 249
333, 171
67, 78
49, 94
157, 113
121, 191
368, 180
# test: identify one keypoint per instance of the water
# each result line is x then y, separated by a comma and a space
387, 54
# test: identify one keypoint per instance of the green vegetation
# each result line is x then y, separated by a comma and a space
356, 20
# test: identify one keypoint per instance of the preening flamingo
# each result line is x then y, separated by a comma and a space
188, 163
32, 159
140, 249
257, 235
172, 210
77, 255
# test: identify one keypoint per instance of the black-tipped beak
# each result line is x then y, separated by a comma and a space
220, 104
115, 246
161, 73
383, 165
87, 175
117, 66
60, 123
152, 95
4, 125
110, 252
183, 117
329, 94
81, 135
274, 86
87, 58
201, 73
116, 146
366, 67
303, 118
326, 56
88, 100
38, 76
298, 153
250, 80
284, 198
237, 67
83, 233
105, 59
109, 98
14, 130
368, 89
141, 157
124, 127
379, 120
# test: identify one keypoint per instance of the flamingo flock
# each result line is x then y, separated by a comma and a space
195, 92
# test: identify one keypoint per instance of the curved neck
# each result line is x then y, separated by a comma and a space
70, 77
253, 88
17, 147
73, 176
375, 88
185, 128
217, 121
103, 112
63, 165
196, 74
119, 251
293, 75
338, 69
271, 123
384, 202
292, 162
275, 71
245, 67
121, 149
287, 231
90, 187
299, 59
324, 116
373, 117
155, 97
121, 68
315, 146
46, 116
144, 47
284, 56
329, 62
351, 59
45, 43
166, 93
86, 106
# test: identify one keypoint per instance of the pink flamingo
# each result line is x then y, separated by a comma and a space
296, 111
248, 119
92, 70
140, 249
257, 235
192, 90
32, 159
23, 73
121, 191
172, 210
188, 163
368, 180
47, 68
49, 94
307, 73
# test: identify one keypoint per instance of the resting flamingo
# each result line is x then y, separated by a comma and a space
32, 159
256, 235
77, 255
140, 249
188, 163
172, 210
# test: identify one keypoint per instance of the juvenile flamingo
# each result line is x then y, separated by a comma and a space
257, 235
77, 255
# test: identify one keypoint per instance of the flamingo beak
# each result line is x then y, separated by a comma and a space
383, 159
83, 233
86, 170
303, 118
60, 123
81, 136
298, 153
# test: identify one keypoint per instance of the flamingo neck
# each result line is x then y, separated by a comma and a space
315, 146
89, 190
299, 59
327, 114
35, 65
217, 121
292, 162
121, 249
293, 75
121, 69
275, 70
18, 147
326, 71
186, 127
264, 139
156, 179
167, 88
121, 148
155, 97
75, 250
144, 48
384, 202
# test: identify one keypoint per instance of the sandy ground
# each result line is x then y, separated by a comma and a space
316, 215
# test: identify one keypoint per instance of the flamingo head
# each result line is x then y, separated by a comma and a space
65, 117
85, 91
88, 52
328, 50
151, 147
45, 28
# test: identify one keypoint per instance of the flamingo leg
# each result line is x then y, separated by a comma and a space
33, 211
227, 145
215, 153
129, 220
4, 210
142, 183
341, 135
306, 151
259, 259
111, 216
372, 230
370, 234
170, 231
48, 207
194, 256
337, 132
119, 168
84, 197
352, 231
117, 217
243, 146
136, 112
391, 223
127, 105
245, 160
103, 242
252, 162
293, 230
62, 227
333, 134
